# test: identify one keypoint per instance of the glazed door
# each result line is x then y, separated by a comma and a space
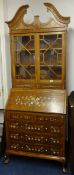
52, 58
38, 59
24, 60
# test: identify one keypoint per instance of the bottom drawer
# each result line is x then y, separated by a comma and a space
36, 148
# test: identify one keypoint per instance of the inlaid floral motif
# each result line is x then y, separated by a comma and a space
32, 100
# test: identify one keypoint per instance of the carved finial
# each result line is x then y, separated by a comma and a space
36, 21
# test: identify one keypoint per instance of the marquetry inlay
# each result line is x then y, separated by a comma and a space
32, 100
36, 109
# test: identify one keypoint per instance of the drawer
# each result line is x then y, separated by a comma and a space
36, 148
35, 128
23, 117
35, 138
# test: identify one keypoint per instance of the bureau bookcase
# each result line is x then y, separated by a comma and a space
35, 113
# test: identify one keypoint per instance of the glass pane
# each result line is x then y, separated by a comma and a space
54, 40
56, 73
25, 39
17, 45
30, 45
50, 38
25, 72
24, 57
51, 56
49, 73
43, 44
44, 72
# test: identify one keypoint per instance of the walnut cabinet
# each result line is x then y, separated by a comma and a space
35, 113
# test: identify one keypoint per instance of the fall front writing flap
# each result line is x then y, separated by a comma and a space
48, 101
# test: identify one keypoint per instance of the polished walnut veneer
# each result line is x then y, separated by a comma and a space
35, 113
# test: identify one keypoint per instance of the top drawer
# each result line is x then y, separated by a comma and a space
40, 118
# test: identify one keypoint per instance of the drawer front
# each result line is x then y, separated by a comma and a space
35, 148
35, 118
36, 128
35, 138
